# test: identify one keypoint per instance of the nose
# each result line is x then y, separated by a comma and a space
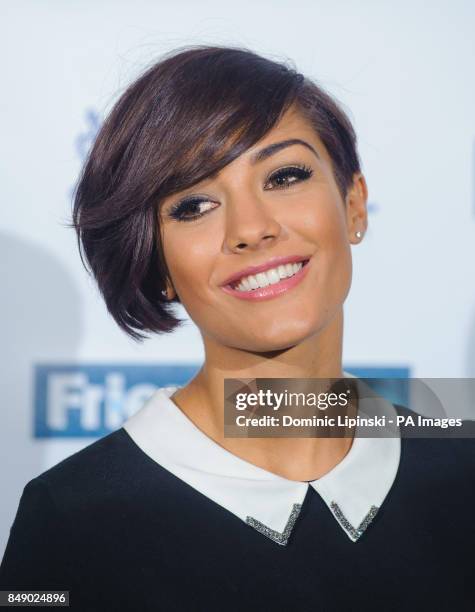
250, 224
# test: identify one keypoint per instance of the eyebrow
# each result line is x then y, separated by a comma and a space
272, 149
278, 146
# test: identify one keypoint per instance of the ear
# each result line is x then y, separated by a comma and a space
169, 291
171, 294
356, 210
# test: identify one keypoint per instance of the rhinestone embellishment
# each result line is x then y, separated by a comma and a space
345, 523
277, 536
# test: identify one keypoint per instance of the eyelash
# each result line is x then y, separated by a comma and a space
302, 172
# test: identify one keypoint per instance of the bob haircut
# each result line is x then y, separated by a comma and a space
183, 120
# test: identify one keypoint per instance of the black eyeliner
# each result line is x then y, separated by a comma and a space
302, 171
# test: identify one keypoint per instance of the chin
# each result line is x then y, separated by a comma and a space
283, 340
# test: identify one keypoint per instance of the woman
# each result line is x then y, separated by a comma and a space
231, 184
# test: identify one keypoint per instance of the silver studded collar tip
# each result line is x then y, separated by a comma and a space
279, 537
354, 532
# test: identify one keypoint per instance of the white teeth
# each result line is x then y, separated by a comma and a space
273, 276
252, 282
269, 277
262, 279
246, 284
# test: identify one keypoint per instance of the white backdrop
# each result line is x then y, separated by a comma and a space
403, 70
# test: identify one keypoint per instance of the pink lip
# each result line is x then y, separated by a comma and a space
272, 263
271, 291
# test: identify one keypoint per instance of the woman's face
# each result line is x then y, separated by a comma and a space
284, 204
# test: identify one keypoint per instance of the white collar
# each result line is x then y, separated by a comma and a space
353, 490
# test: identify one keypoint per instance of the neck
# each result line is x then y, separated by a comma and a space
319, 356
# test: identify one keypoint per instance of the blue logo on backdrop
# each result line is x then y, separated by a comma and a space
94, 400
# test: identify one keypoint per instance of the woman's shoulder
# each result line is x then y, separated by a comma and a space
106, 469
55, 504
96, 460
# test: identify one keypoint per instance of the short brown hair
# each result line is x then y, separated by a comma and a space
184, 119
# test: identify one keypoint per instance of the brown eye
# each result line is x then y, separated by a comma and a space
286, 177
189, 209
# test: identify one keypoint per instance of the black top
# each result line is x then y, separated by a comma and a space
122, 533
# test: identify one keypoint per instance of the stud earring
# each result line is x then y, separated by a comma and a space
164, 292
358, 234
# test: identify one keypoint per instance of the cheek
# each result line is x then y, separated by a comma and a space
190, 258
322, 222
324, 225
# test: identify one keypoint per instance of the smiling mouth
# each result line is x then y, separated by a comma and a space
273, 276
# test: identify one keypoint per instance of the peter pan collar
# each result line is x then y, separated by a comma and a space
353, 490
